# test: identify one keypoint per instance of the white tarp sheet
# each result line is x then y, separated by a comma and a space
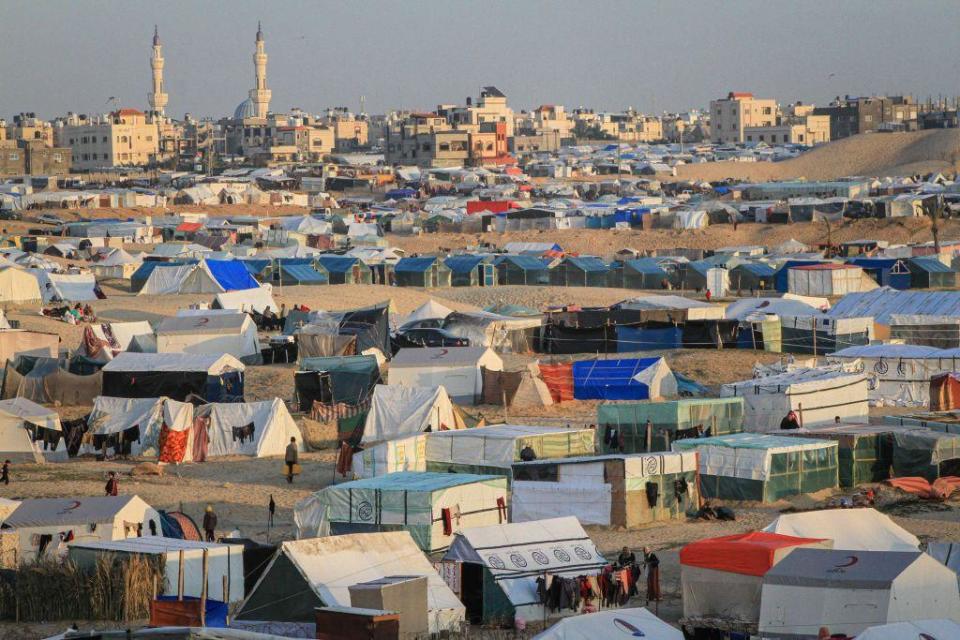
228, 431
852, 529
637, 623
535, 500
248, 300
397, 412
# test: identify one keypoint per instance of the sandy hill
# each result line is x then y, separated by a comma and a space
872, 154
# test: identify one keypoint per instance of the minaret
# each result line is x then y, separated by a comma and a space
157, 99
260, 95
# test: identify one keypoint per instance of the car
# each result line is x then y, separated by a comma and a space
429, 323
427, 337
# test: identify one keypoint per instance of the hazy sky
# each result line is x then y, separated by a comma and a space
60, 55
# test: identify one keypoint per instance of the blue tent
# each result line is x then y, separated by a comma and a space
139, 277
232, 275
611, 379
256, 266
888, 272
294, 274
398, 194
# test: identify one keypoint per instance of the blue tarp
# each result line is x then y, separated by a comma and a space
610, 379
641, 339
215, 614
413, 265
882, 270
395, 194
232, 275
337, 264
588, 263
301, 274
463, 264
255, 266
142, 274
645, 265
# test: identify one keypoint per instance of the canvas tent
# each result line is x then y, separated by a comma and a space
247, 300
818, 395
614, 490
723, 577
317, 572
392, 456
627, 379
501, 563
749, 466
181, 279
398, 412
851, 529
224, 563
458, 369
503, 334
30, 432
431, 506
134, 425
18, 286
214, 333
517, 389
255, 429
39, 521
813, 588
900, 373
66, 287
118, 265
214, 378
102, 342
45, 381
638, 623
429, 310
919, 629
347, 380
669, 421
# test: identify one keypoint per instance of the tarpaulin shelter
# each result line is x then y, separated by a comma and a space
44, 381
118, 265
816, 394
818, 335
471, 271
559, 380
370, 325
900, 374
947, 554
458, 369
927, 272
211, 377
504, 334
391, 456
318, 341
300, 274
429, 310
317, 572
852, 529
926, 453
345, 269
864, 454
886, 272
336, 380
669, 420
749, 466
526, 270
257, 429
945, 392
628, 379
752, 275
723, 577
247, 300
231, 275
929, 629
39, 521
637, 622
579, 271
66, 287
613, 490
642, 273
135, 426
101, 342
180, 279
431, 506
427, 272
23, 438
213, 333
495, 448
501, 564
828, 280
397, 412
518, 389
814, 588
19, 286
223, 563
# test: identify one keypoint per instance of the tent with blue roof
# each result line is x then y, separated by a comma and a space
471, 271
927, 272
627, 379
527, 270
232, 275
305, 274
584, 271
642, 273
752, 275
400, 194
422, 272
345, 269
139, 277
887, 272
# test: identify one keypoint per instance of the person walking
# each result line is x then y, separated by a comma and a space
5, 472
652, 563
292, 457
113, 484
271, 510
209, 524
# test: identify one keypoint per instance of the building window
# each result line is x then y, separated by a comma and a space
86, 156
83, 139
761, 137
444, 146
57, 157
14, 156
749, 138
868, 118
105, 139
71, 142
106, 157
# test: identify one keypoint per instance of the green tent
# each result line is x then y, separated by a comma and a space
720, 415
864, 452
927, 453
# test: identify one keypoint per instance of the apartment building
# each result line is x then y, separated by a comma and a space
738, 111
490, 107
850, 116
124, 138
349, 131
797, 124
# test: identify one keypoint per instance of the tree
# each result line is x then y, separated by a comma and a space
934, 208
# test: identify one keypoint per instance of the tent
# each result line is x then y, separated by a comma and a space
30, 432
211, 377
723, 577
18, 286
336, 380
431, 506
429, 310
214, 333
224, 563
749, 466
926, 453
847, 592
427, 272
43, 380
500, 565
635, 622
247, 300
458, 369
291, 274
629, 379
865, 452
345, 269
669, 421
615, 490
818, 395
66, 287
257, 429
102, 342
135, 425
118, 265
494, 449
524, 269
397, 412
828, 280
518, 389
317, 572
947, 554
920, 629
15, 342
503, 334
39, 521
391, 456
900, 373
182, 278
231, 275
851, 529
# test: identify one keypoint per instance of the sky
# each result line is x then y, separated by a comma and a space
654, 55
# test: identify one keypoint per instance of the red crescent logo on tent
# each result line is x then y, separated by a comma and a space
202, 321
851, 560
926, 636
627, 628
73, 505
442, 353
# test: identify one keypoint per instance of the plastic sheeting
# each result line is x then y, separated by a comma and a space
630, 379
230, 433
851, 529
535, 500
397, 412
111, 416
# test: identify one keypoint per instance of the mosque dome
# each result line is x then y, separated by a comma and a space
245, 109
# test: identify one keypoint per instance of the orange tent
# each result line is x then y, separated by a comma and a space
751, 554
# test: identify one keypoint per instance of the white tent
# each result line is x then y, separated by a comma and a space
458, 369
847, 592
316, 572
392, 456
18, 286
816, 394
613, 623
212, 333
853, 529
516, 554
248, 300
899, 373
177, 279
429, 310
500, 445
19, 417
397, 412
137, 421
117, 265
505, 334
224, 563
941, 629
690, 220
40, 520
249, 428
66, 287
107, 339
660, 381
828, 280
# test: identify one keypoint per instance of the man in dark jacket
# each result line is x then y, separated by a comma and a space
790, 421
292, 457
113, 485
209, 524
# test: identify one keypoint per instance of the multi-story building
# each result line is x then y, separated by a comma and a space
523, 143
490, 107
739, 110
626, 126
850, 116
27, 126
427, 140
797, 124
124, 138
349, 131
